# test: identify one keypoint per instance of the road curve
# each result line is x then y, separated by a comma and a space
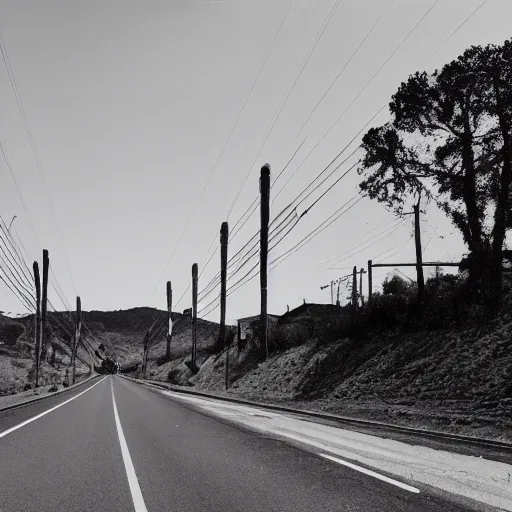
117, 446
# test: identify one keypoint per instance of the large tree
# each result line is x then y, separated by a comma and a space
451, 138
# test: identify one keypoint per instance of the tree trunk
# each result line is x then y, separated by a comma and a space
477, 244
502, 204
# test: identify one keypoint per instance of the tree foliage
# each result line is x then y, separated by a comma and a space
396, 286
451, 139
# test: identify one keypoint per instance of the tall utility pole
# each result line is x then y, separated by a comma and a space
361, 272
419, 257
169, 313
76, 340
145, 351
194, 315
354, 289
37, 340
224, 238
370, 284
265, 215
332, 292
44, 306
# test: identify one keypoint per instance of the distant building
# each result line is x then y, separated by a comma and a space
244, 325
309, 310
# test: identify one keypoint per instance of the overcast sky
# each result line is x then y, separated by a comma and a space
130, 104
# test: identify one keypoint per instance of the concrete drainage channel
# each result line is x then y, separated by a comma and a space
479, 447
48, 394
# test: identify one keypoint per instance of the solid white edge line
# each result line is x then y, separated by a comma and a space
30, 420
371, 473
137, 498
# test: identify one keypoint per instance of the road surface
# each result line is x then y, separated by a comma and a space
113, 445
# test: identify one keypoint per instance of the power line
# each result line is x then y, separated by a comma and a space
339, 154
297, 220
17, 295
253, 206
14, 85
324, 225
310, 207
244, 280
253, 252
285, 98
368, 34
364, 245
27, 212
225, 144
366, 86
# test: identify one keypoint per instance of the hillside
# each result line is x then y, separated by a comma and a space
456, 377
122, 334
17, 354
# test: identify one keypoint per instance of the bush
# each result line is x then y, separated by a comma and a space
11, 332
386, 311
174, 376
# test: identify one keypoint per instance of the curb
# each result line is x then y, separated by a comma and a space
434, 434
47, 394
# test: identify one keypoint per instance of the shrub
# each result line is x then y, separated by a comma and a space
174, 376
11, 332
386, 311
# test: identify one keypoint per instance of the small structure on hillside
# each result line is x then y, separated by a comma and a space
245, 325
309, 310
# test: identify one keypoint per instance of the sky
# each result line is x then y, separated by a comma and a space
147, 118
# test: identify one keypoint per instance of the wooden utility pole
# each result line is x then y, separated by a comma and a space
224, 237
169, 313
145, 350
332, 292
37, 340
419, 257
76, 341
265, 216
361, 272
44, 306
370, 284
354, 289
194, 315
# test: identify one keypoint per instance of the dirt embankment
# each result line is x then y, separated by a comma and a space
458, 380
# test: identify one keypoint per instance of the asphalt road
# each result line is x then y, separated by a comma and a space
119, 446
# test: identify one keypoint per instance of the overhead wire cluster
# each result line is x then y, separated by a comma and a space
15, 276
340, 211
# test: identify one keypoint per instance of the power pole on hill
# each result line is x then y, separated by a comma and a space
419, 256
370, 277
145, 351
76, 340
169, 313
264, 215
420, 279
224, 238
44, 306
361, 272
354, 289
37, 282
194, 315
